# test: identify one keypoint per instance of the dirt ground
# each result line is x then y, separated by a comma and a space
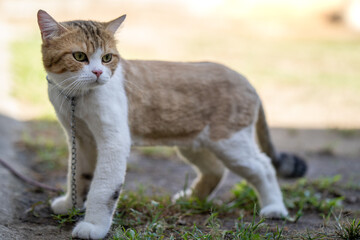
32, 219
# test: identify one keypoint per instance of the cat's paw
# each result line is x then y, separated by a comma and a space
276, 211
182, 194
61, 205
86, 230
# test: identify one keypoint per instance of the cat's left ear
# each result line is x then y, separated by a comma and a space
114, 25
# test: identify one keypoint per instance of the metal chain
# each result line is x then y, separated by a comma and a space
73, 144
73, 152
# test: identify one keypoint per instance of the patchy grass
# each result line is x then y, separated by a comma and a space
349, 230
139, 216
143, 217
72, 216
30, 85
319, 195
28, 72
47, 141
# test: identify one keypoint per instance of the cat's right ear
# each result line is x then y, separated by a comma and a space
48, 26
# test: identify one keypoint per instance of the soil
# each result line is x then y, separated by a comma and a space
31, 216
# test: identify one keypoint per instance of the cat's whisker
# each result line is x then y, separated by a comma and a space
74, 89
65, 92
59, 85
65, 80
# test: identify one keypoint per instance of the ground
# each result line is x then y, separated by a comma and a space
31, 216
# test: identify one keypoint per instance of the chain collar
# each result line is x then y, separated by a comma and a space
73, 145
73, 152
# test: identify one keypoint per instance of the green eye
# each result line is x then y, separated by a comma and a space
107, 58
80, 56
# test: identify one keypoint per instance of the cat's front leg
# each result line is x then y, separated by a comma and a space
113, 149
86, 159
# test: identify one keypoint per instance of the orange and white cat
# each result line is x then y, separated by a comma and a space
208, 110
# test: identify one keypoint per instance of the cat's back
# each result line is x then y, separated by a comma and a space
182, 73
183, 97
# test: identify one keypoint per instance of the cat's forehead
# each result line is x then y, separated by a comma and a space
90, 35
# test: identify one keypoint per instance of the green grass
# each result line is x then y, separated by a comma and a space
349, 230
142, 217
139, 216
46, 140
72, 216
320, 64
30, 85
319, 195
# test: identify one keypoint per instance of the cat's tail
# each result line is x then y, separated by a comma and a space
287, 165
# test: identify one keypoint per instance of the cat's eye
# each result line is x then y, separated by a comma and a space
107, 58
80, 56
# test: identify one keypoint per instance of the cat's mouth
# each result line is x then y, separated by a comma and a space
94, 82
101, 81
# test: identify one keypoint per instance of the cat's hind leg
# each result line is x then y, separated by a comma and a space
241, 155
209, 169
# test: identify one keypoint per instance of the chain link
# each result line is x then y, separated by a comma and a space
73, 144
73, 153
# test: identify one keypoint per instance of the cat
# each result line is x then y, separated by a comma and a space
206, 109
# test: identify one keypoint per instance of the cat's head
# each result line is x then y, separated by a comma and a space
79, 54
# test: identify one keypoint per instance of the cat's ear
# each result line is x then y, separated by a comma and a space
48, 26
114, 25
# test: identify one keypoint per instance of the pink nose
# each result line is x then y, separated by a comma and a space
97, 72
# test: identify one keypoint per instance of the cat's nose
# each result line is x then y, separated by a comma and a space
97, 72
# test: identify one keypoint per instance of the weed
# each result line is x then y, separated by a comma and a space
32, 208
245, 196
247, 231
348, 230
197, 206
313, 236
72, 216
317, 195
214, 224
326, 183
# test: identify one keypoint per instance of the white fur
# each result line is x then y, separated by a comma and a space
241, 154
104, 111
101, 112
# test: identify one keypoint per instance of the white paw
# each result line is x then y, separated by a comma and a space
274, 211
61, 205
182, 194
86, 230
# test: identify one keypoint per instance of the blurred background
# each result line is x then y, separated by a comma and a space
303, 57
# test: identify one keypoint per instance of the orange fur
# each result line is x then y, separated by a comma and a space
83, 36
178, 100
